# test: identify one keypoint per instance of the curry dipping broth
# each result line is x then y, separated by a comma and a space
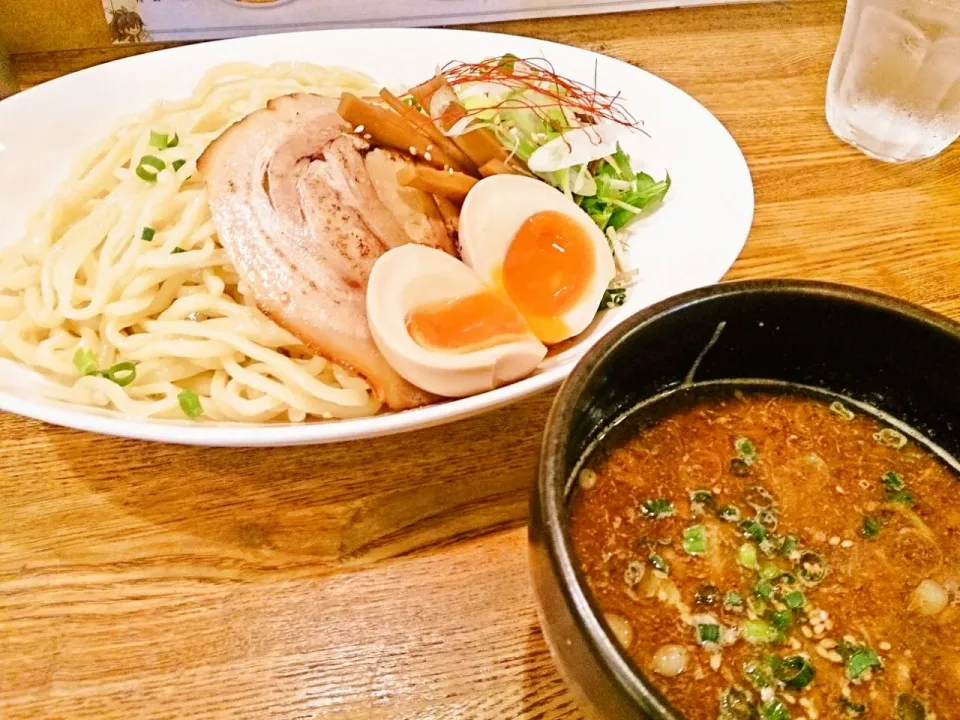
773, 556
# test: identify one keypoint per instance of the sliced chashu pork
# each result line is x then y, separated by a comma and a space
416, 211
302, 222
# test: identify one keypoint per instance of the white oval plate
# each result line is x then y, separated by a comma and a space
688, 242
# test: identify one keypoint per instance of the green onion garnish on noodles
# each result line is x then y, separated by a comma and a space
190, 404
177, 164
149, 167
158, 140
162, 141
147, 234
84, 361
122, 373
177, 251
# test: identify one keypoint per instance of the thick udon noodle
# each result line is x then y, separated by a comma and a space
85, 277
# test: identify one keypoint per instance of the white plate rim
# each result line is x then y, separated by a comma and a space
226, 434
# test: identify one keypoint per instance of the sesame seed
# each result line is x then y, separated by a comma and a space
367, 136
834, 541
828, 644
715, 661
839, 489
450, 170
358, 129
429, 148
413, 151
885, 646
846, 544
806, 631
427, 157
795, 644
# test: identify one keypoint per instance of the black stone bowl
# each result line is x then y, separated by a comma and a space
875, 352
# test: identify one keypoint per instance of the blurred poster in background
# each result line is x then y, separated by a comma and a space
162, 20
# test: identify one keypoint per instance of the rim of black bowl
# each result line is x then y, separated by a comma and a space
551, 472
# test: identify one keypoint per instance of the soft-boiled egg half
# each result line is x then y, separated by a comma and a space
442, 329
534, 246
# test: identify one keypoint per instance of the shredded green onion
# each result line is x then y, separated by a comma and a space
909, 708
858, 659
760, 632
190, 404
84, 361
177, 164
763, 589
774, 710
149, 167
756, 605
147, 234
753, 530
838, 408
788, 545
122, 373
613, 298
889, 437
735, 705
158, 140
893, 481
733, 602
657, 508
812, 568
746, 451
795, 599
659, 563
701, 501
757, 674
769, 572
747, 556
781, 619
796, 672
852, 709
695, 540
871, 526
177, 251
708, 634
729, 513
739, 468
902, 497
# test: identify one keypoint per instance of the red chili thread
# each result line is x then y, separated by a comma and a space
537, 74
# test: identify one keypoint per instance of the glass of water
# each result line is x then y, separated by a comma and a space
894, 87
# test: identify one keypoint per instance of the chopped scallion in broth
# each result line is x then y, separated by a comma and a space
806, 559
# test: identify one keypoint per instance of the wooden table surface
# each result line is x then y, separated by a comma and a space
388, 578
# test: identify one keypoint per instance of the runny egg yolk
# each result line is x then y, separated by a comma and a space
465, 324
547, 269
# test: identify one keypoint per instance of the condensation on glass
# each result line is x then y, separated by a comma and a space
894, 86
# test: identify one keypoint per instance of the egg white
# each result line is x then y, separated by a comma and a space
493, 212
411, 276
